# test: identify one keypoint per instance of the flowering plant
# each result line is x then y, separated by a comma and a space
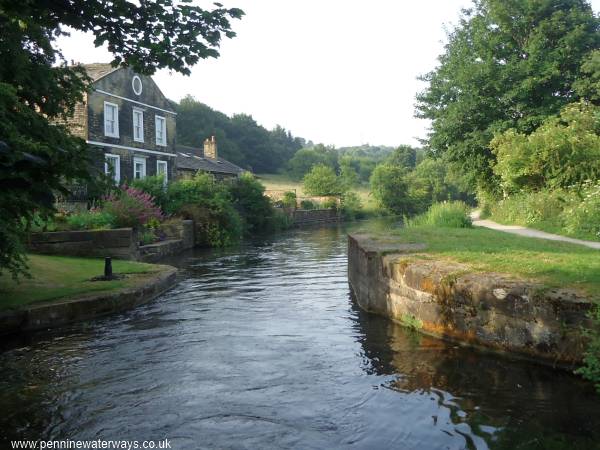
132, 207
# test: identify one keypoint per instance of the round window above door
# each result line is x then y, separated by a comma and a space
136, 84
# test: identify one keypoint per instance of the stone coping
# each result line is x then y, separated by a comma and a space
63, 311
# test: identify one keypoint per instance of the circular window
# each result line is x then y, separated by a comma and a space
136, 84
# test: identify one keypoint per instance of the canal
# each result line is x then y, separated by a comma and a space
262, 347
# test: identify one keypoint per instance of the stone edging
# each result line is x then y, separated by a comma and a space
61, 312
448, 300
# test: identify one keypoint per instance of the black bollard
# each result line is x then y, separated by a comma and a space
108, 267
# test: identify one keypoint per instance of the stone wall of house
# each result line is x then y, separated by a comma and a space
119, 83
449, 301
77, 123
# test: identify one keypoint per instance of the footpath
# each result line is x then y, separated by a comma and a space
528, 232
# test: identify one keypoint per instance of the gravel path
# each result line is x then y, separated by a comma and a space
528, 232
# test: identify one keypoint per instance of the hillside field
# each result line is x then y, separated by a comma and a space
283, 182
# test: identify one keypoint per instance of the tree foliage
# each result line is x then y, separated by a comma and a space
322, 180
306, 158
401, 190
38, 157
390, 189
563, 152
404, 156
240, 139
508, 64
256, 210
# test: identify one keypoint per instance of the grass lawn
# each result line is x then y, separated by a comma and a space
282, 182
55, 277
556, 264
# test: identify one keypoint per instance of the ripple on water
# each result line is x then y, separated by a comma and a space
262, 347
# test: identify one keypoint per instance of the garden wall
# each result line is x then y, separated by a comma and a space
448, 300
119, 243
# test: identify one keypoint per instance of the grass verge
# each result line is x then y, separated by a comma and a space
57, 277
556, 264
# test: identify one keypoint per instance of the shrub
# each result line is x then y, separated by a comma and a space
132, 207
591, 359
322, 180
583, 217
249, 200
209, 203
202, 190
147, 237
94, 219
533, 208
444, 215
574, 211
330, 203
155, 186
307, 204
562, 152
351, 206
289, 200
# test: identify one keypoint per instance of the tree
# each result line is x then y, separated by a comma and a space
404, 156
348, 174
390, 189
197, 121
437, 180
588, 87
508, 64
322, 180
39, 157
306, 158
240, 139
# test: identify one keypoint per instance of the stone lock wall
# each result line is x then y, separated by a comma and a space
301, 217
446, 300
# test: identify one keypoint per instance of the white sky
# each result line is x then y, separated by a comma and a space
341, 72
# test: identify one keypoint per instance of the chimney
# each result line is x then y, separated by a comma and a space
210, 148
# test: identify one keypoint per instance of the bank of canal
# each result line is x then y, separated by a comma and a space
262, 347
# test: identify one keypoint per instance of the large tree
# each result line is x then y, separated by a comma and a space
37, 157
508, 64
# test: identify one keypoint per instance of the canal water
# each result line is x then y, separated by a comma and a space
262, 347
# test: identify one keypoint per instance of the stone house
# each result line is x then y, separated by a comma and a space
191, 160
129, 124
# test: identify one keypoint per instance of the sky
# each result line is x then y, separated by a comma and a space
340, 72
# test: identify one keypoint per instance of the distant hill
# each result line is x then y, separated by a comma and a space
376, 152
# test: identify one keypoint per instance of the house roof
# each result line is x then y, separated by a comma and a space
98, 70
192, 158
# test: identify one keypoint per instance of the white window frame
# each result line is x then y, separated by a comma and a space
166, 172
133, 80
115, 132
117, 158
136, 160
163, 127
141, 115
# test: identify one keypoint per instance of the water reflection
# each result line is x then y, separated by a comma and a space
491, 400
261, 347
